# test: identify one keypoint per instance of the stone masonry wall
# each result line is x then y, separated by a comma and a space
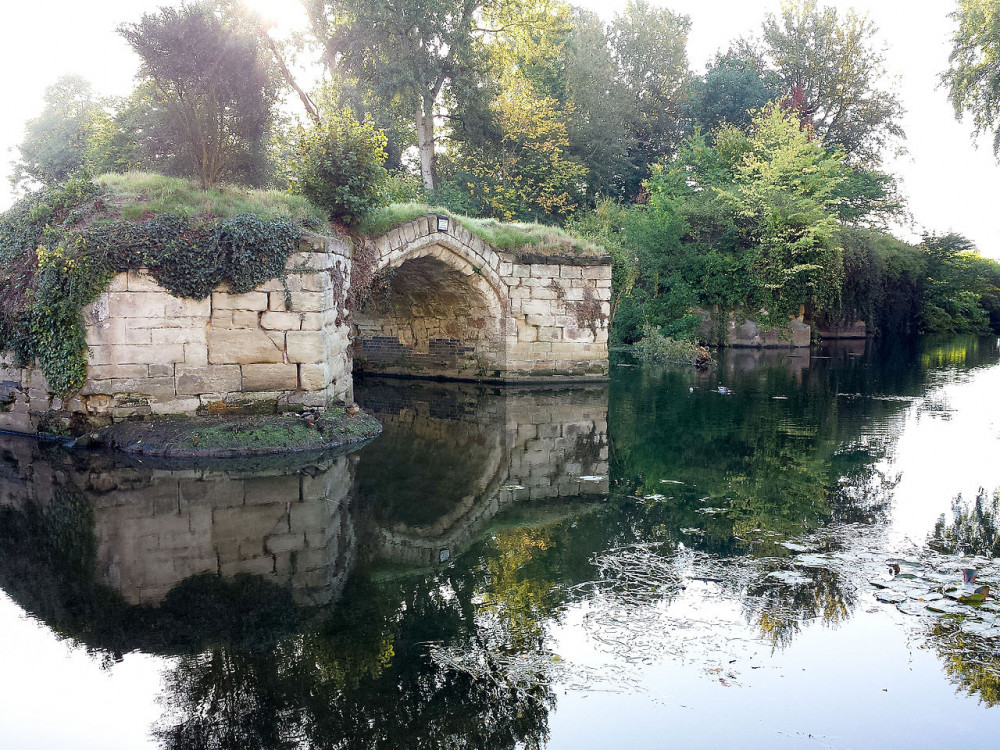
153, 353
561, 311
551, 311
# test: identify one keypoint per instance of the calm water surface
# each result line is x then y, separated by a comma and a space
647, 564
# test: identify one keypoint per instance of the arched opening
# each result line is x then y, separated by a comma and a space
429, 317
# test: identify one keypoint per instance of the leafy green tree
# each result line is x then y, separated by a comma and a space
529, 174
55, 142
596, 125
735, 85
784, 190
213, 90
408, 55
961, 289
650, 50
834, 76
973, 76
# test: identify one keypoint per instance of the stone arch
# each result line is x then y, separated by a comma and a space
445, 312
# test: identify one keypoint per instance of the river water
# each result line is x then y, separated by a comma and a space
675, 558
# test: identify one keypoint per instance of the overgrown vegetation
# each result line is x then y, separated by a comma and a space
506, 236
60, 248
757, 188
656, 348
339, 167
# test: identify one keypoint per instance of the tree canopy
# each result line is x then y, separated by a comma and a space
211, 87
973, 77
834, 75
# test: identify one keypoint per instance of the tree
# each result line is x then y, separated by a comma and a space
528, 174
340, 166
832, 75
596, 129
650, 50
55, 142
407, 54
212, 88
973, 77
961, 289
735, 85
785, 185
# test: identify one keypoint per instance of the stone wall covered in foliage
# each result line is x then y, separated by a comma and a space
281, 346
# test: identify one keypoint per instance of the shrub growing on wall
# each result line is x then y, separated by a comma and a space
341, 167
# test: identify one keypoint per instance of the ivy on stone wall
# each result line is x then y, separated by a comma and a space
61, 247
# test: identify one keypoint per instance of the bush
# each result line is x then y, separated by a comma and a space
655, 347
340, 167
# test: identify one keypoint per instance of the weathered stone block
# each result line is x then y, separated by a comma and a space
140, 281
105, 372
177, 307
161, 389
313, 377
597, 272
192, 381
108, 332
280, 321
249, 301
305, 346
242, 347
270, 377
315, 321
196, 355
245, 319
137, 304
192, 335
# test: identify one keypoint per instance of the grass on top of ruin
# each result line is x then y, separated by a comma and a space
139, 195
506, 236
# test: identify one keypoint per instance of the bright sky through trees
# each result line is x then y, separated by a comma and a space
951, 185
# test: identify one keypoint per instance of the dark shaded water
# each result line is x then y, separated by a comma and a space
645, 564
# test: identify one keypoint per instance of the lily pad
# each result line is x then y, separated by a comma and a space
887, 596
790, 576
796, 547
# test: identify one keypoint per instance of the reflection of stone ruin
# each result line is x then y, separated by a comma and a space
300, 526
156, 527
499, 447
294, 529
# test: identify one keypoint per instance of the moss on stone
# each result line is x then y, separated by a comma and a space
222, 436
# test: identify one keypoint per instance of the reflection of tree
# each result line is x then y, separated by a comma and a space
972, 529
971, 663
780, 608
514, 599
363, 676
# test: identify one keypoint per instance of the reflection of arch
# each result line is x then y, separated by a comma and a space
447, 312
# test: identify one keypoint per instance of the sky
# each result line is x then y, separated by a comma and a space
949, 182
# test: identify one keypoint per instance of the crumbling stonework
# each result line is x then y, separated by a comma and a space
742, 332
283, 345
457, 307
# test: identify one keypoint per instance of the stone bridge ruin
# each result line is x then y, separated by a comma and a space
451, 305
446, 305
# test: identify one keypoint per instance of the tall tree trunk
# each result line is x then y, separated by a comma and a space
425, 144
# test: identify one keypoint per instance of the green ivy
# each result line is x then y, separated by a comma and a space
59, 252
